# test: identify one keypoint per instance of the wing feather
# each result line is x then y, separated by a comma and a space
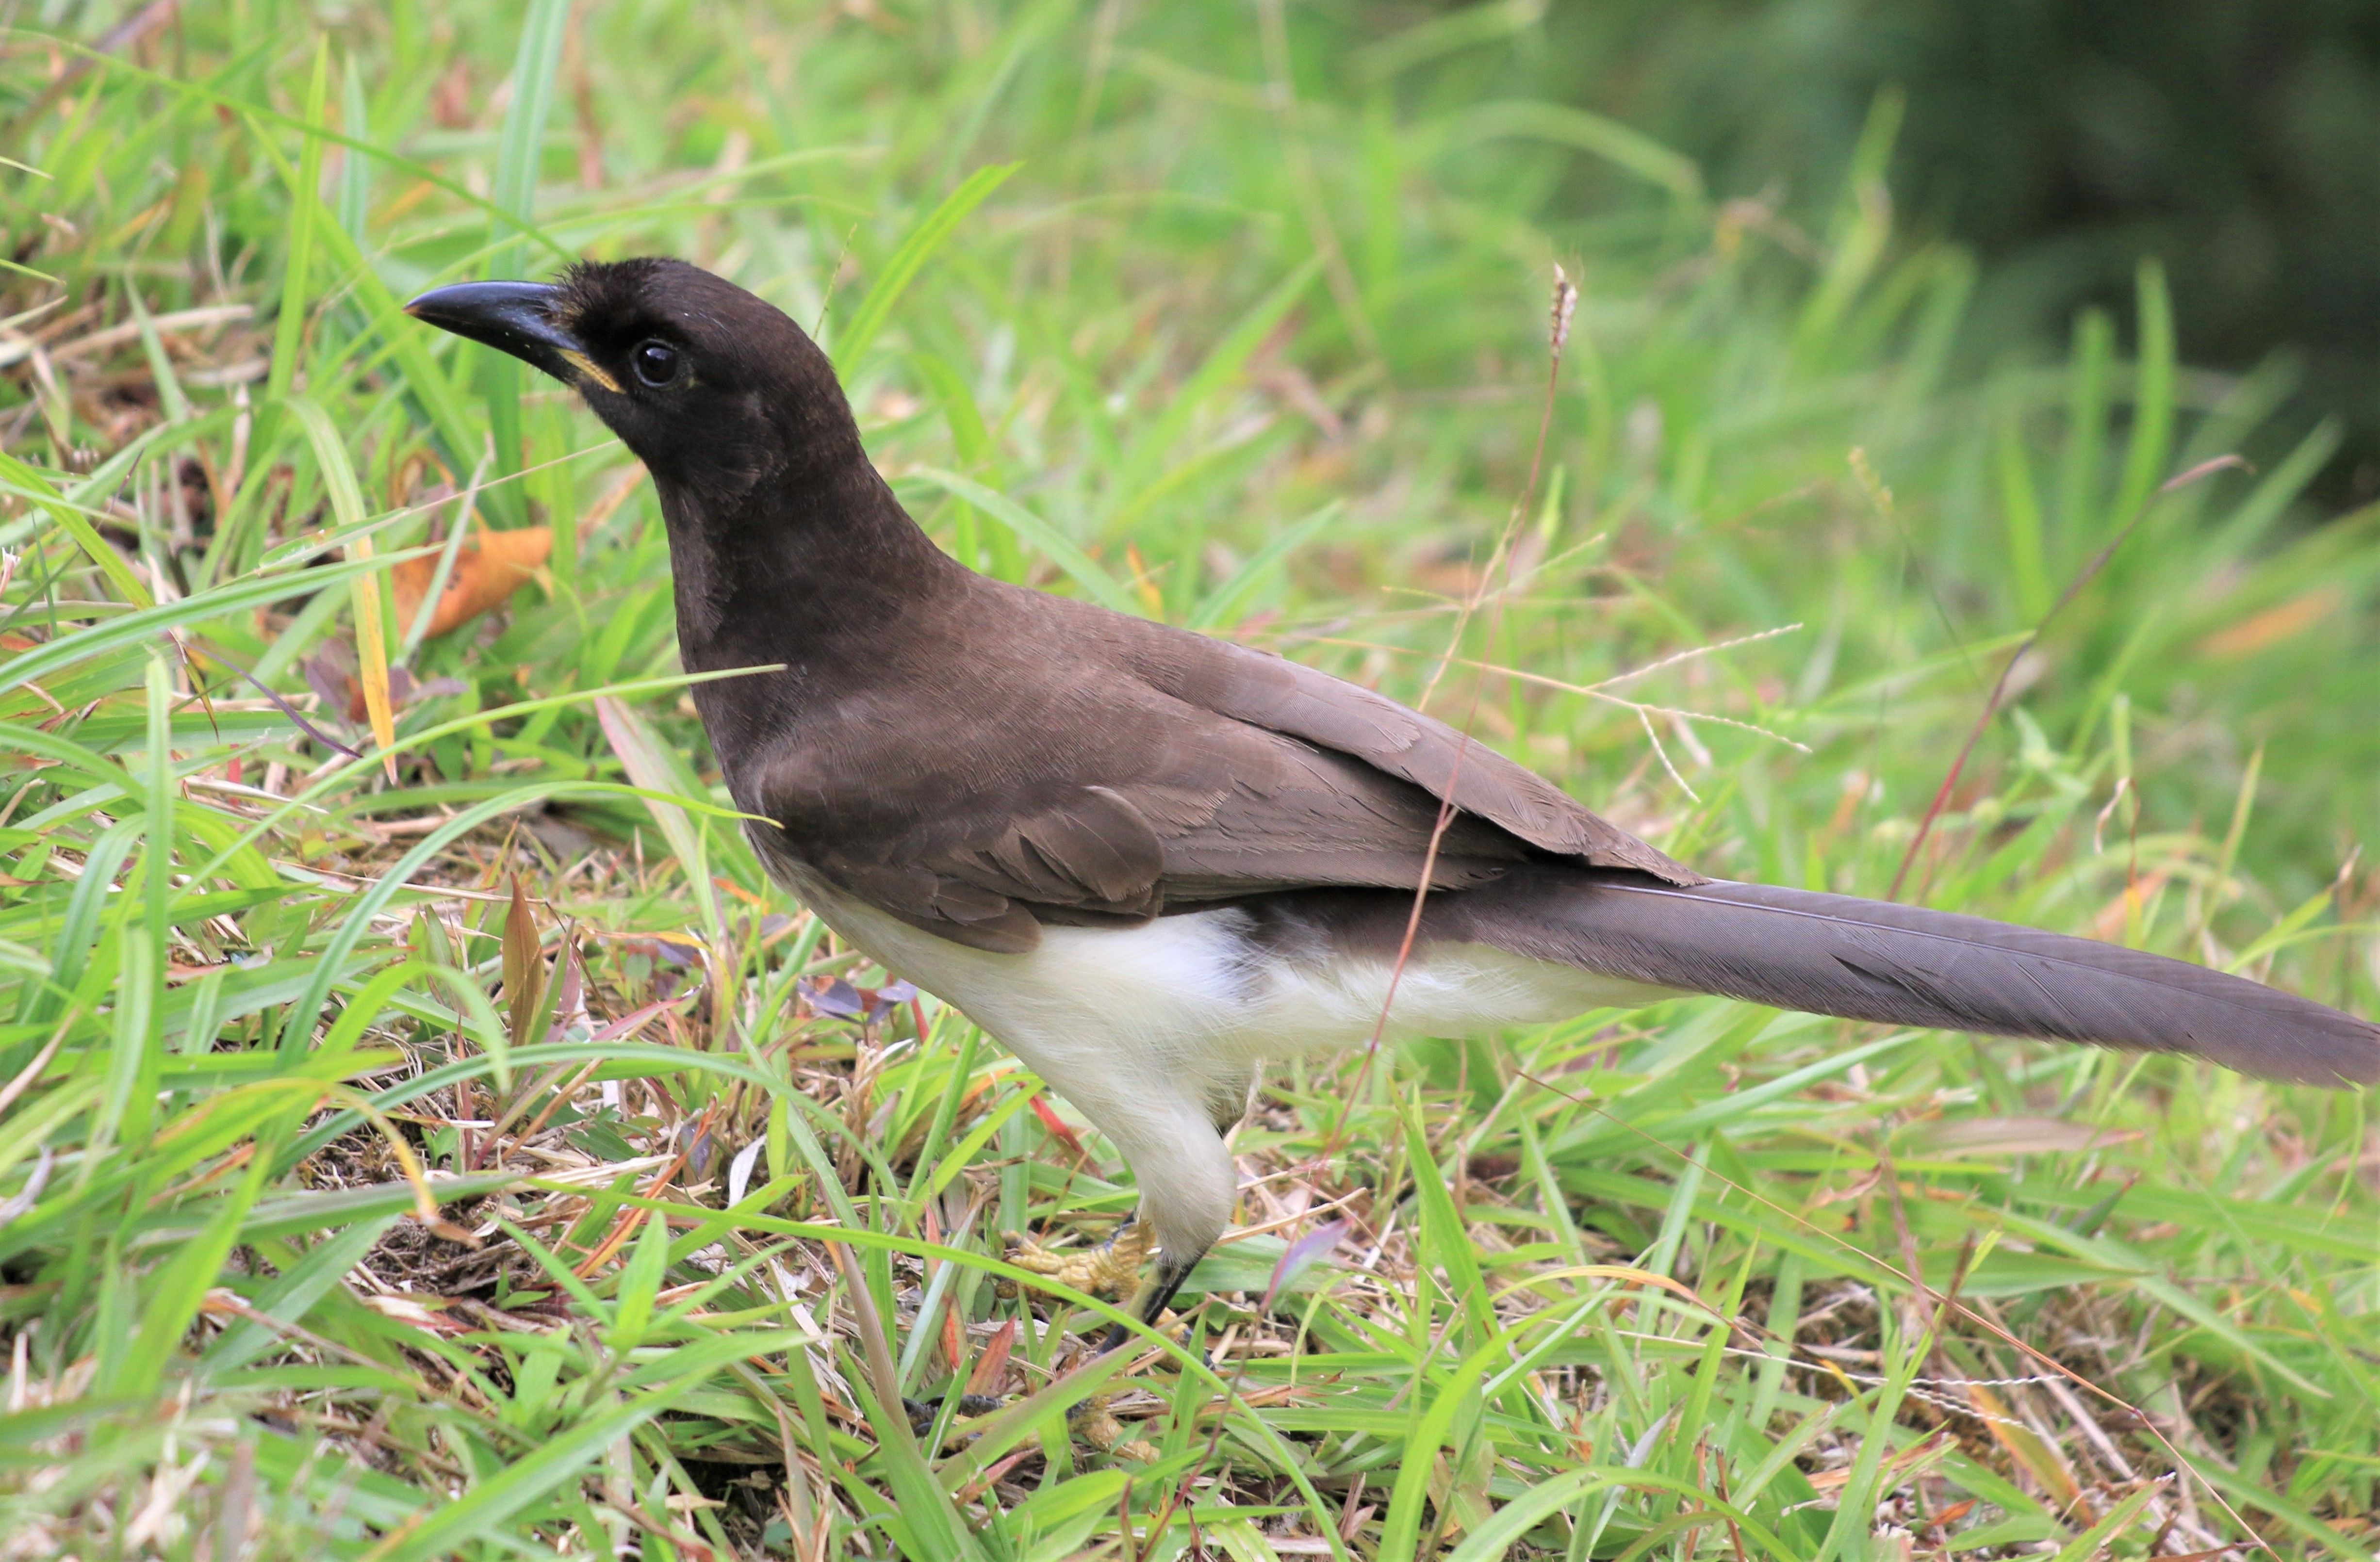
1086, 767
1282, 696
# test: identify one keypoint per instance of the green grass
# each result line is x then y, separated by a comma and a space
1233, 317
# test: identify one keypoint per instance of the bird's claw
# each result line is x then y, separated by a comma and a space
1109, 1270
1090, 1418
1099, 1427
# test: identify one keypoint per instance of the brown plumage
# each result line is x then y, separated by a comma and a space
1145, 858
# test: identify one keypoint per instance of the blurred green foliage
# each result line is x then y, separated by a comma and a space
2237, 141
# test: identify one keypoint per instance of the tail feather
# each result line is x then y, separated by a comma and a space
1905, 965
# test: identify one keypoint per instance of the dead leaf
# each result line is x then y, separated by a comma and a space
523, 969
1825, 1482
488, 569
991, 1367
1952, 1514
2275, 624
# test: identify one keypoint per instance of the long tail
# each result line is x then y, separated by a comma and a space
1904, 965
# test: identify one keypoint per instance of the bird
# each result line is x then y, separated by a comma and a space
1148, 860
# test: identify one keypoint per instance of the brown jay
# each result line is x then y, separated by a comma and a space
1145, 859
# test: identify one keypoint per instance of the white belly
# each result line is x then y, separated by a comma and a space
1154, 1032
1190, 1003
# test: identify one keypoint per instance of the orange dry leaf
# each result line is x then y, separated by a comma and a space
2272, 625
991, 1367
488, 569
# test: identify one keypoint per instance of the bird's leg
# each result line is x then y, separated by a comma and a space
1156, 1294
1108, 1270
1188, 1185
1114, 1270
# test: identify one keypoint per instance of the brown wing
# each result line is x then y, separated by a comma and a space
1089, 767
1148, 805
1089, 852
1284, 697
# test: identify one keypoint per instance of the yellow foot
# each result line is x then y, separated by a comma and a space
1103, 1430
1111, 1270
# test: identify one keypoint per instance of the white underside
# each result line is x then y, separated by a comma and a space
1143, 1027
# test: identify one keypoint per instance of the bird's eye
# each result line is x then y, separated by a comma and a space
657, 362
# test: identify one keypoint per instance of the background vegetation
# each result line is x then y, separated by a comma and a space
423, 1132
2060, 140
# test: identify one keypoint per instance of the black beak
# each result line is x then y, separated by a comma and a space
511, 317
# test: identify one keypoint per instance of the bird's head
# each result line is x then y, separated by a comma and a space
715, 390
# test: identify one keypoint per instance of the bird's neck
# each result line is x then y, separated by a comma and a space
802, 569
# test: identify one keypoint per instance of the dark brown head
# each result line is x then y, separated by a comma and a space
784, 542
716, 391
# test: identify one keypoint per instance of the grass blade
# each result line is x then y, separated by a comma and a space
1218, 605
32, 485
556, 1460
366, 587
1560, 124
1158, 442
520, 151
2152, 392
850, 344
652, 767
1033, 530
289, 325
